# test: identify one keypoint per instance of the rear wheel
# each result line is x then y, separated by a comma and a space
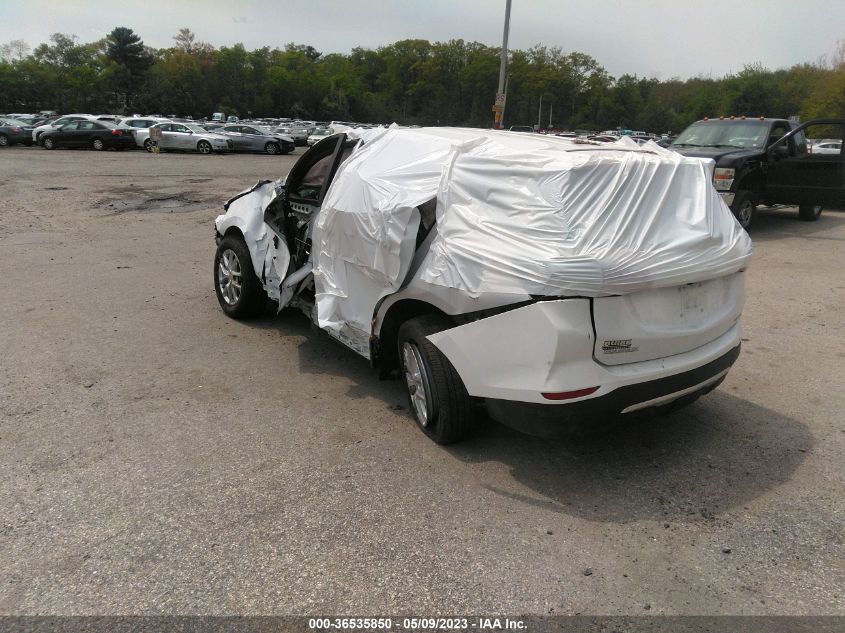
810, 212
49, 143
239, 291
743, 208
272, 148
98, 144
438, 399
204, 147
4, 140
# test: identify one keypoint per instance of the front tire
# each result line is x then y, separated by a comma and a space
49, 143
4, 140
810, 212
204, 147
272, 148
238, 290
148, 145
438, 399
743, 208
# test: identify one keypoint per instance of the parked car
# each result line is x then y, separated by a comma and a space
298, 133
188, 137
131, 125
247, 138
13, 132
98, 135
521, 128
428, 272
827, 147
57, 123
765, 161
318, 135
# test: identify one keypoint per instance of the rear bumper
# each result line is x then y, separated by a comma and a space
727, 196
550, 420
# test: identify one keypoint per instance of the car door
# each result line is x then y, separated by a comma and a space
304, 191
85, 133
253, 139
168, 139
235, 133
181, 137
796, 176
65, 135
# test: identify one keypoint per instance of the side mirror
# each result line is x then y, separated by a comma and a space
781, 151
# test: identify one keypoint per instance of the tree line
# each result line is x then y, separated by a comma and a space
409, 81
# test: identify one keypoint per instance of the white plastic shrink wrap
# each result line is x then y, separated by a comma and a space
516, 213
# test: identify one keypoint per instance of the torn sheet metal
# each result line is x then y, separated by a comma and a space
269, 253
516, 213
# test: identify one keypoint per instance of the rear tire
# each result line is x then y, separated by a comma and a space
810, 212
238, 289
438, 399
98, 145
743, 208
4, 140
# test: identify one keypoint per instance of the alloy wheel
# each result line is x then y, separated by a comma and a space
416, 379
229, 277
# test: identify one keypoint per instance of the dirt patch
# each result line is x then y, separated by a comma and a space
157, 203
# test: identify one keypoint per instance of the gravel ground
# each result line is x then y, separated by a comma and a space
159, 458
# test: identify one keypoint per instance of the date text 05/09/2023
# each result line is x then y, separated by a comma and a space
416, 624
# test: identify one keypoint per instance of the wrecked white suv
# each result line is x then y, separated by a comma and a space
558, 283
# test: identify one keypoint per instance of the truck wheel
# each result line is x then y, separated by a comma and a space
743, 208
809, 212
442, 408
238, 289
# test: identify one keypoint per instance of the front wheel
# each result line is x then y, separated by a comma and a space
238, 289
810, 212
49, 143
438, 399
98, 145
743, 208
272, 148
148, 145
4, 140
204, 147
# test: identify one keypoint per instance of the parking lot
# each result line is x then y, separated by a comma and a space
158, 457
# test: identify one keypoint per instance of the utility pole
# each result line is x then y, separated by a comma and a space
551, 107
540, 112
499, 104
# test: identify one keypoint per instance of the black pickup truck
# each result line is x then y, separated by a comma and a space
768, 161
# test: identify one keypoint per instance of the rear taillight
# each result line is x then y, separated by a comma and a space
568, 395
116, 133
17, 129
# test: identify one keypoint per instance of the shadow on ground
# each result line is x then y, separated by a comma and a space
780, 223
719, 453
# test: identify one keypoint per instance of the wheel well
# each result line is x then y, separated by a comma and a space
384, 353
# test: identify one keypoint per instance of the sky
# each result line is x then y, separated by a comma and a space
648, 38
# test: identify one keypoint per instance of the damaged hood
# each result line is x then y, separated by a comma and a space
516, 213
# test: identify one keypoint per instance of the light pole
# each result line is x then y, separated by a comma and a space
499, 104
